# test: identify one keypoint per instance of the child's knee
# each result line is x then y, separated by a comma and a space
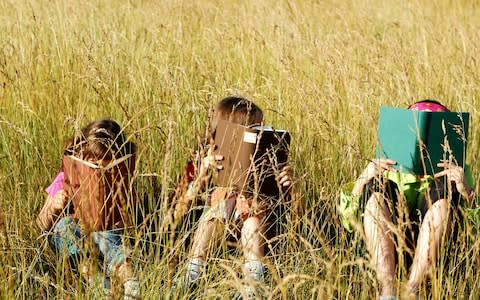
376, 205
67, 225
251, 226
66, 237
111, 248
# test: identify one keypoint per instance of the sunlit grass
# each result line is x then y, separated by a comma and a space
319, 70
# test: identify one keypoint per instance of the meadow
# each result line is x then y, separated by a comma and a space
320, 69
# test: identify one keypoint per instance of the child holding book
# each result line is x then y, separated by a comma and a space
88, 200
226, 205
430, 200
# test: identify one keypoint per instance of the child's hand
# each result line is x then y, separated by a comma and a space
285, 178
376, 167
210, 161
57, 202
242, 206
456, 175
51, 209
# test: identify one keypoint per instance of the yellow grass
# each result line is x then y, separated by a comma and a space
319, 69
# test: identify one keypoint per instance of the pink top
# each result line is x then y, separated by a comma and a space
56, 185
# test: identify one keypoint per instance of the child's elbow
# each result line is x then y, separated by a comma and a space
42, 223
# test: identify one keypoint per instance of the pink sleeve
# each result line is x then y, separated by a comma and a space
56, 185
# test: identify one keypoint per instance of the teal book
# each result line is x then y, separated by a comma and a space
418, 140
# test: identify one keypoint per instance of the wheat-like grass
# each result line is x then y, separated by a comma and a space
319, 69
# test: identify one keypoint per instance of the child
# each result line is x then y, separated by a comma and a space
227, 206
88, 199
377, 189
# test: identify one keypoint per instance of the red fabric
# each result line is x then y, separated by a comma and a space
182, 184
190, 171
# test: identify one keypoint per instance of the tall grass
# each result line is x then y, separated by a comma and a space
319, 69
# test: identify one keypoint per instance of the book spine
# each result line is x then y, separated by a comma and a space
423, 126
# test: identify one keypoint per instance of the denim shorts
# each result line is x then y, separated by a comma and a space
68, 239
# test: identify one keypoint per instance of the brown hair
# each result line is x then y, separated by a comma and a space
99, 197
237, 110
101, 139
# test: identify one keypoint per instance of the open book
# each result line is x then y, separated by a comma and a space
418, 140
99, 193
253, 157
95, 166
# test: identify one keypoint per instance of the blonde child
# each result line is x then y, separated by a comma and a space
88, 200
429, 200
227, 206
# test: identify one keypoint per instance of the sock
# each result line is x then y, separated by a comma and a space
194, 268
249, 293
254, 270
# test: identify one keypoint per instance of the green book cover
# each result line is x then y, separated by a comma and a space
418, 140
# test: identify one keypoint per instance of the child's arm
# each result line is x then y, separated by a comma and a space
51, 210
56, 202
192, 182
285, 179
351, 193
375, 168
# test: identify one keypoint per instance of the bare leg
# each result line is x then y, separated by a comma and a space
436, 224
206, 237
379, 240
253, 241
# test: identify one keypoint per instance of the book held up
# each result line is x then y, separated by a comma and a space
253, 157
100, 193
419, 140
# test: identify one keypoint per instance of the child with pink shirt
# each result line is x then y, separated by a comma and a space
88, 200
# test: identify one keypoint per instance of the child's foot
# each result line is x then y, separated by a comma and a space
131, 290
409, 293
195, 268
254, 271
95, 279
248, 292
390, 297
100, 283
183, 284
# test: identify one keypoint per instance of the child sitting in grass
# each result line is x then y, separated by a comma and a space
226, 206
430, 200
88, 200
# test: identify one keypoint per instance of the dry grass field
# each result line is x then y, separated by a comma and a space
320, 69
